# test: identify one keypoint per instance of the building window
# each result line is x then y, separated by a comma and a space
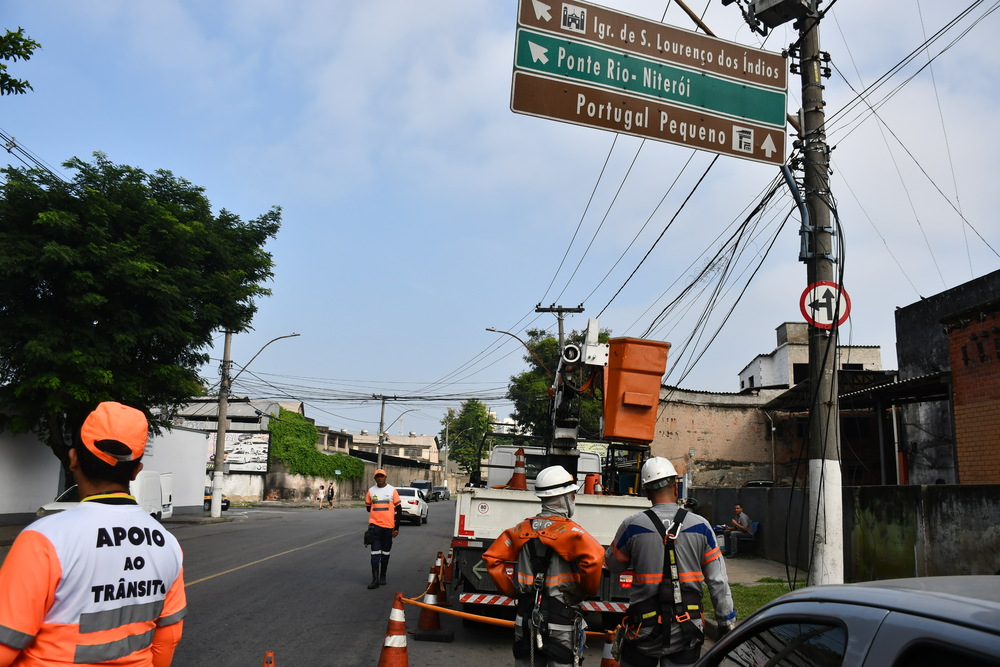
413, 452
800, 373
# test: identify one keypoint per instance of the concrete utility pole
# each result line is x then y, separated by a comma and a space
220, 432
826, 557
565, 423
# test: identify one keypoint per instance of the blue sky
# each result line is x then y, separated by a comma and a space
418, 210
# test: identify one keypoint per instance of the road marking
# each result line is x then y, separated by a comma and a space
188, 584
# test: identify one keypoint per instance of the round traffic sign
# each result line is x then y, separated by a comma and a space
825, 304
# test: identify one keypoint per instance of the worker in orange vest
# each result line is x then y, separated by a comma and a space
558, 564
385, 509
102, 583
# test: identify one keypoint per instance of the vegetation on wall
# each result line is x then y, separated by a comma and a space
293, 443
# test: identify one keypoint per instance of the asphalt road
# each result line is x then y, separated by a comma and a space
294, 581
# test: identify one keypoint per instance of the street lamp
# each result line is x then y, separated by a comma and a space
220, 432
540, 362
381, 431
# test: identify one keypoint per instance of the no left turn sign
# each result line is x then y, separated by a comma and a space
825, 304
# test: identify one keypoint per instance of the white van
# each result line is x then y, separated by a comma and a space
154, 491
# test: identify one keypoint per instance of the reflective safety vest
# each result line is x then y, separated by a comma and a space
383, 504
90, 586
575, 572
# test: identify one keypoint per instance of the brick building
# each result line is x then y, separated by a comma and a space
974, 354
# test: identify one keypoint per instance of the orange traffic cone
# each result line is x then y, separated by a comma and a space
429, 625
518, 481
268, 659
607, 660
394, 649
442, 568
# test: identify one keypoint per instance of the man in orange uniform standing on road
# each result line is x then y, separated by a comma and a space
558, 565
385, 510
102, 583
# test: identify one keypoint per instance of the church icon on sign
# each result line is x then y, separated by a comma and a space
742, 139
574, 18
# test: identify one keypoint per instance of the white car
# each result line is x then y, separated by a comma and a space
415, 507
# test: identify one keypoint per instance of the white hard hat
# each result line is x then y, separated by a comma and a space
554, 481
656, 472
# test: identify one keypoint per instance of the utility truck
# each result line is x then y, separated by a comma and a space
629, 372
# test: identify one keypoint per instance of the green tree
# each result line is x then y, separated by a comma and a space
293, 443
112, 286
14, 46
529, 390
464, 432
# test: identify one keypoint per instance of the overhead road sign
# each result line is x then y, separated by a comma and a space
589, 64
585, 64
825, 304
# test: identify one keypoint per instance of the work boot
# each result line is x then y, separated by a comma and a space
381, 576
375, 581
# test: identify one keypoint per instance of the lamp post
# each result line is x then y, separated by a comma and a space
220, 432
540, 362
381, 430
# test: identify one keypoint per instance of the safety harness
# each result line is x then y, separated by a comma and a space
680, 610
542, 608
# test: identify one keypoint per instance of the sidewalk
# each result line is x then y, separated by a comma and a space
750, 570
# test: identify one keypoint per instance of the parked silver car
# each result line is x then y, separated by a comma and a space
920, 622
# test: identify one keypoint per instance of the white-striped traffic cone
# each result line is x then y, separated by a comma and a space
518, 481
394, 652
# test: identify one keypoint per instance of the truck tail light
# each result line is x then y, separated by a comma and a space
625, 580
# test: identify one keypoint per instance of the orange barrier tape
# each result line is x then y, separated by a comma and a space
475, 617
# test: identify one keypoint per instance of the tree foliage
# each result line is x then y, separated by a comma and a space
463, 431
293, 443
112, 286
14, 46
529, 390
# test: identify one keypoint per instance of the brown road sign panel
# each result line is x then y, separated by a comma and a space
618, 112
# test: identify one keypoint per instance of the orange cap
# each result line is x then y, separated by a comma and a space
379, 472
114, 421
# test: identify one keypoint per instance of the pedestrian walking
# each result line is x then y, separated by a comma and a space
671, 552
330, 494
320, 497
102, 583
385, 510
558, 565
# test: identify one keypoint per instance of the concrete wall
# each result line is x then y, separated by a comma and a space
30, 474
724, 439
889, 531
280, 485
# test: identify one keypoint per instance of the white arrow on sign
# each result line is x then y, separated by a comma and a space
825, 304
538, 53
768, 146
541, 10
